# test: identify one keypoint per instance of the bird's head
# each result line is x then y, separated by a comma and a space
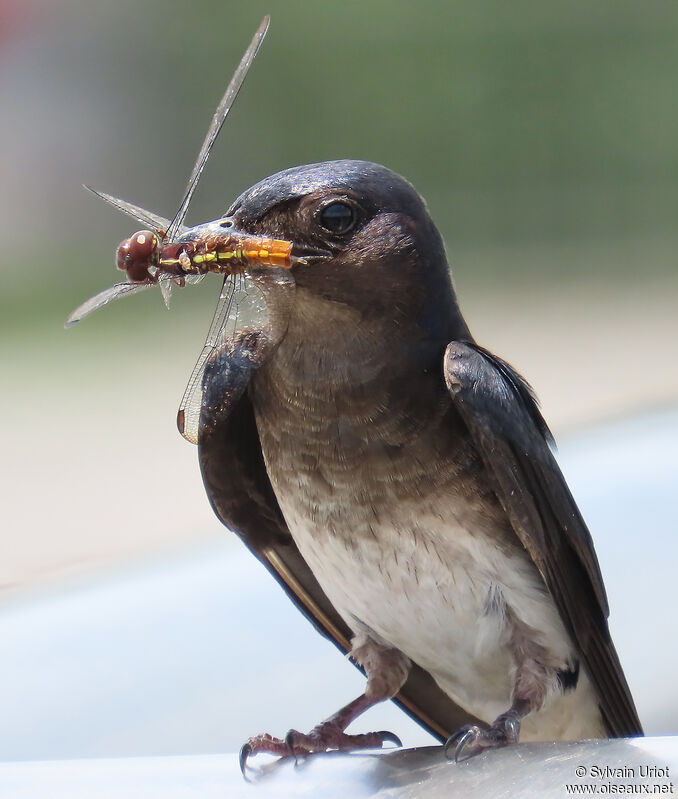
362, 237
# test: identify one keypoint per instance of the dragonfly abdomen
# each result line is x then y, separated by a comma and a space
227, 253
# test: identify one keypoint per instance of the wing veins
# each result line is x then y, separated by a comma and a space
189, 407
217, 122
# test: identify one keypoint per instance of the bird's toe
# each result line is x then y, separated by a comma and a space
471, 740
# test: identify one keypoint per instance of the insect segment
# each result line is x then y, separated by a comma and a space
206, 248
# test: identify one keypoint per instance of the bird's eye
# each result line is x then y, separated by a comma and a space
338, 217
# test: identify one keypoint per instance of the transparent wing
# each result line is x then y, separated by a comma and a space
241, 305
188, 417
103, 298
165, 283
217, 122
193, 280
152, 221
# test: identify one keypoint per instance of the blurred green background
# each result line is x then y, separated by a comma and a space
544, 137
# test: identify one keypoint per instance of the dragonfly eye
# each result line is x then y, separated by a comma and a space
136, 254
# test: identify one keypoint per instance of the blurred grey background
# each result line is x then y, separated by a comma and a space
544, 137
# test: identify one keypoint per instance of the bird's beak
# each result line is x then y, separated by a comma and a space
307, 254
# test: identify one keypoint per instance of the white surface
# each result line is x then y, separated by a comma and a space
526, 770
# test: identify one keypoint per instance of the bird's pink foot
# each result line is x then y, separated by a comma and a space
323, 738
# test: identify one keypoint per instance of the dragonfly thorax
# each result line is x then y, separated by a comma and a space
136, 254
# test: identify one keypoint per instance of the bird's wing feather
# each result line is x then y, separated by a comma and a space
500, 411
241, 495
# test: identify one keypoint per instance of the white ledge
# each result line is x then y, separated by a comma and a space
526, 770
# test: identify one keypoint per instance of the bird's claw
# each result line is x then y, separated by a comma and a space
471, 740
323, 738
457, 741
270, 745
245, 751
389, 737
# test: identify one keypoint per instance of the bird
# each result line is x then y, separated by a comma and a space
398, 480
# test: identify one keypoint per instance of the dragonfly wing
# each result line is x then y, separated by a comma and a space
153, 221
165, 283
217, 122
103, 298
193, 280
188, 417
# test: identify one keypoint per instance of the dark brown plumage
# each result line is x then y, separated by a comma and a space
397, 480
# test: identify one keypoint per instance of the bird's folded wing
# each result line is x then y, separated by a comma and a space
501, 414
241, 495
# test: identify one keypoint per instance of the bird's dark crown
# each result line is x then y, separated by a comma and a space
383, 187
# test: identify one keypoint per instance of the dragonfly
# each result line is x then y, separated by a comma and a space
166, 253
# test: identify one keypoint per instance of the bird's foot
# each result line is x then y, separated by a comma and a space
323, 738
472, 740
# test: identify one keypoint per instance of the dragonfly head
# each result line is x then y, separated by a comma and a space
136, 254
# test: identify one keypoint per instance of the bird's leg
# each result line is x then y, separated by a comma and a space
530, 688
386, 670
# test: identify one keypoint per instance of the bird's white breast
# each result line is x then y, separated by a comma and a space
424, 584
